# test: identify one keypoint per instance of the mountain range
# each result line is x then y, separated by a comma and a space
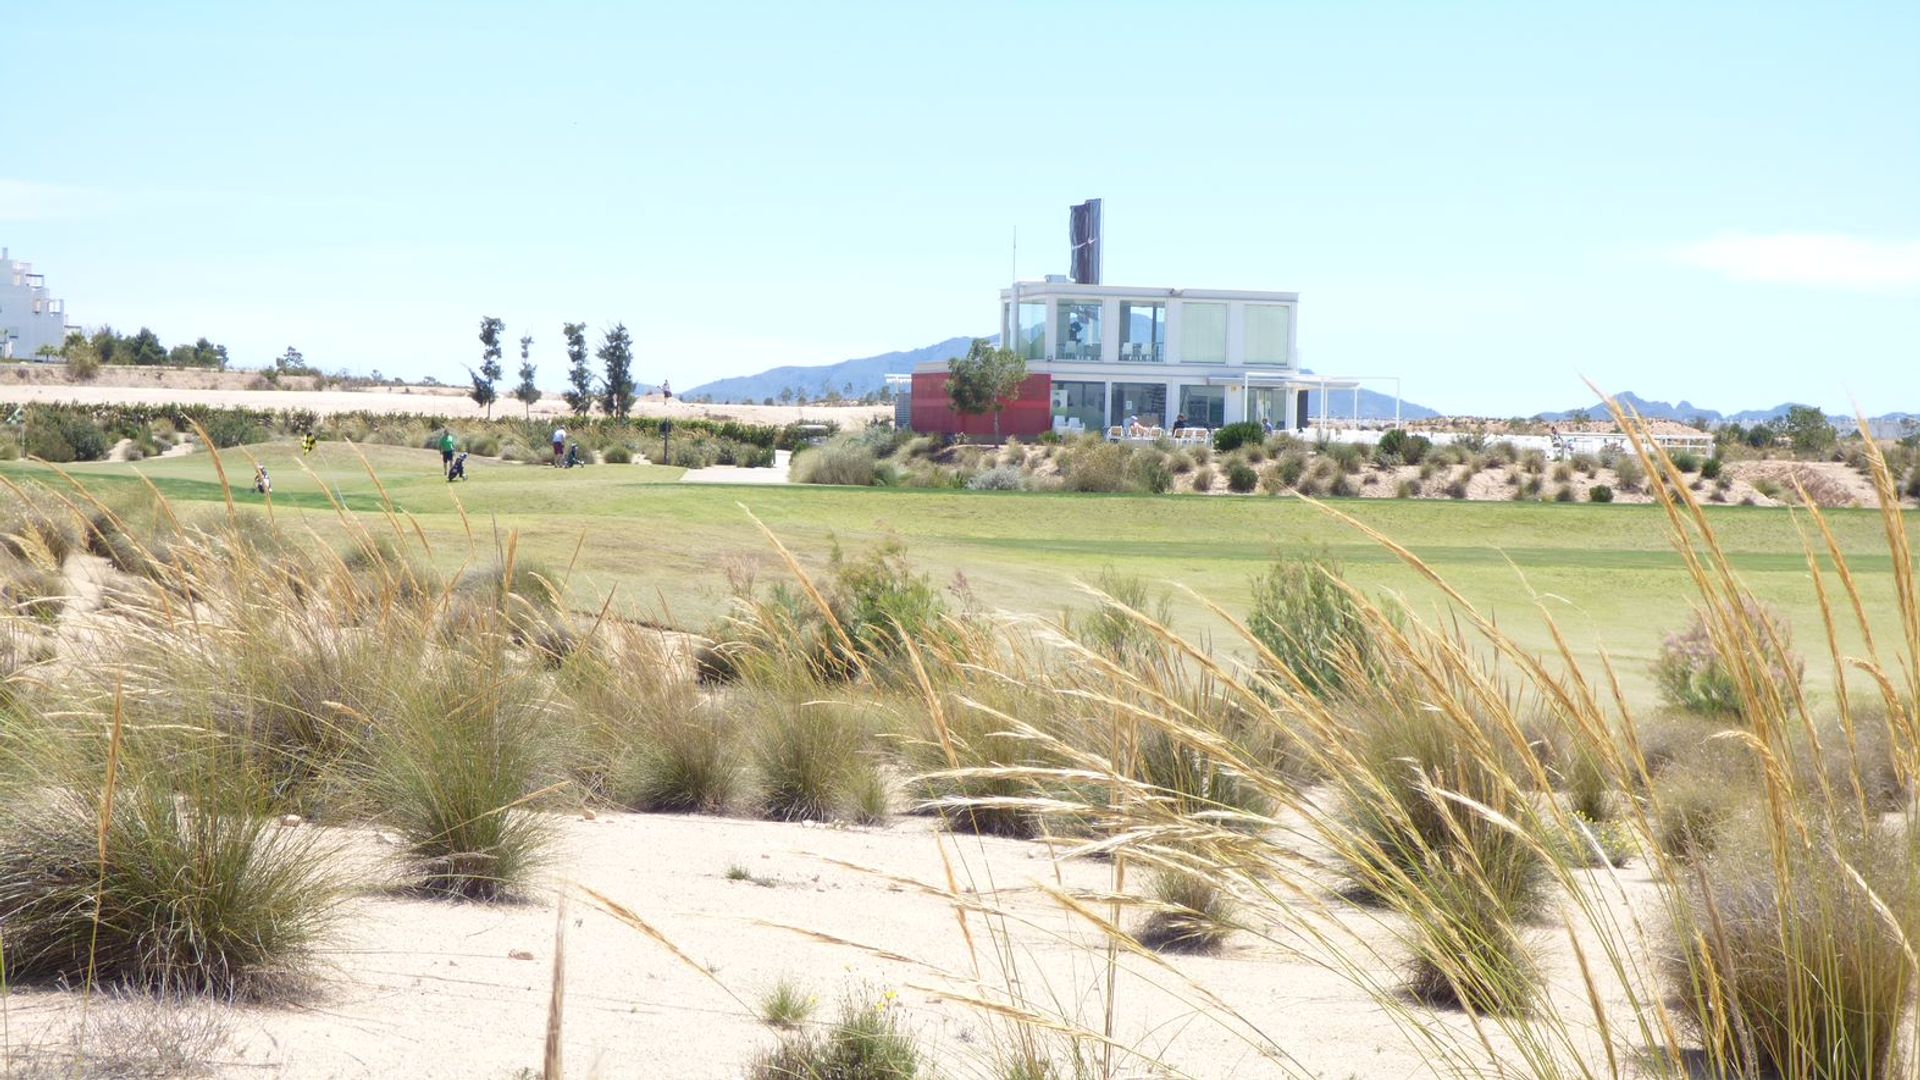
1686, 412
866, 374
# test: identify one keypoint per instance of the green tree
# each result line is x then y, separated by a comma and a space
1807, 429
984, 380
579, 393
1579, 416
483, 392
1761, 436
144, 348
786, 395
526, 393
291, 361
106, 346
616, 356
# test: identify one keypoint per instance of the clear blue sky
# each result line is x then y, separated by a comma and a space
1712, 201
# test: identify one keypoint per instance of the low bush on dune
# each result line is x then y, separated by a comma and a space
1692, 674
1425, 840
999, 478
1801, 968
865, 1042
1241, 478
1229, 437
1193, 913
198, 890
455, 756
834, 463
812, 758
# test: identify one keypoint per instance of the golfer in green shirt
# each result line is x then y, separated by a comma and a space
446, 451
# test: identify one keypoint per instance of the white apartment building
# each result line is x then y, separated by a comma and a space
29, 315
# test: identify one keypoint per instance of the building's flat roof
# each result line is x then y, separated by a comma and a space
1068, 288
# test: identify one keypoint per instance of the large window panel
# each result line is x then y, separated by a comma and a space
1078, 334
1268, 333
1203, 333
1082, 401
1145, 402
1203, 406
1143, 333
1032, 334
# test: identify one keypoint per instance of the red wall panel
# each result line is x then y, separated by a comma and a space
1026, 415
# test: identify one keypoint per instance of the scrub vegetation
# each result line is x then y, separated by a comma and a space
208, 705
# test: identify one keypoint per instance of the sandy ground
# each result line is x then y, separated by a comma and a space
421, 988
26, 384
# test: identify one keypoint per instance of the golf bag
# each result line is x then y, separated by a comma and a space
458, 470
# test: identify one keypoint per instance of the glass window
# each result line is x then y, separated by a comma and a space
1203, 333
1267, 404
1078, 335
1143, 402
1203, 406
1082, 401
1032, 335
1267, 326
1143, 333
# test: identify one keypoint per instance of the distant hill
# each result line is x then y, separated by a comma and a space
1373, 406
1687, 412
868, 373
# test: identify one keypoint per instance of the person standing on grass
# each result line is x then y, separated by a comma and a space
559, 444
446, 451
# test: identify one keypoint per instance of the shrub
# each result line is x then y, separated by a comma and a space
1456, 489
232, 427
483, 445
1584, 462
1408, 448
1628, 473
1304, 616
1406, 489
1233, 436
1290, 466
199, 891
1563, 473
1001, 478
1600, 493
1149, 472
1195, 915
1563, 493
811, 756
1692, 675
786, 1005
1710, 468
617, 454
1686, 461
865, 1043
1112, 632
1463, 880
1203, 479
1241, 478
1100, 466
61, 435
834, 463
1347, 456
1797, 966
458, 752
